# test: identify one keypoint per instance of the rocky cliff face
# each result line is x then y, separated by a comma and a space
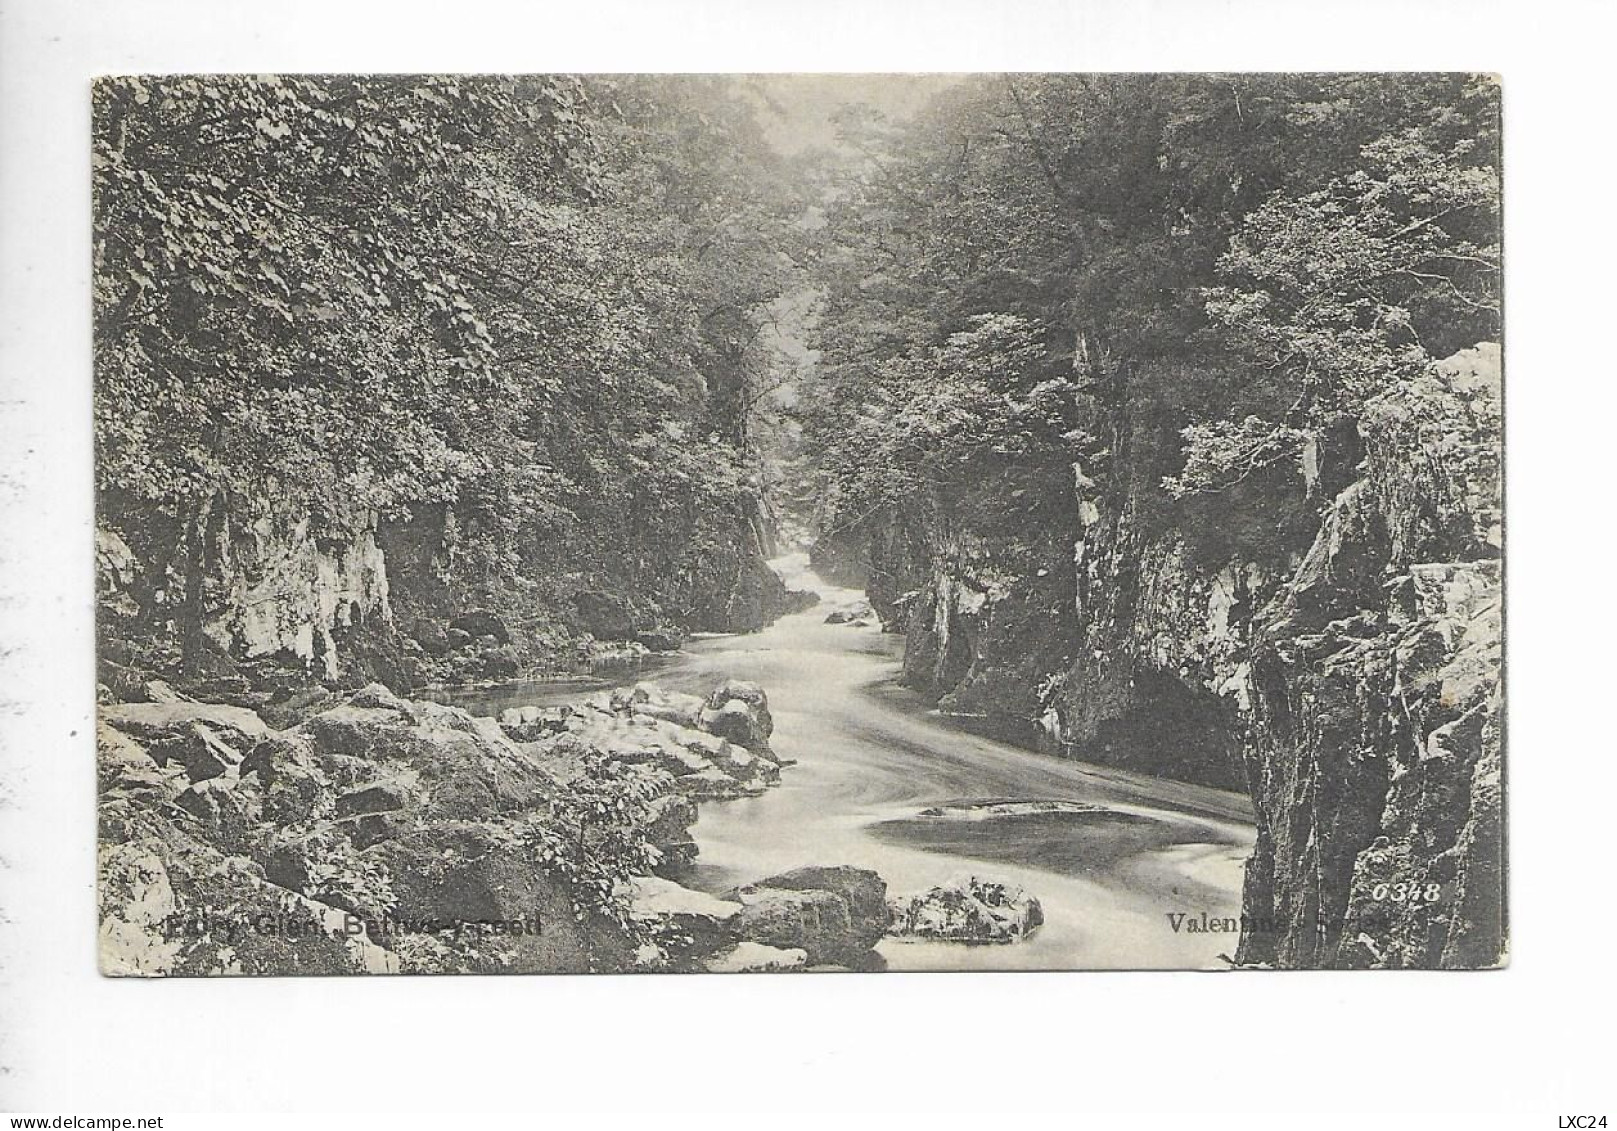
1122, 652
1326, 636
245, 598
1375, 736
571, 605
242, 592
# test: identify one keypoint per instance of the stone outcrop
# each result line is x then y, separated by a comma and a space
173, 905
816, 917
206, 739
256, 588
744, 598
380, 834
710, 752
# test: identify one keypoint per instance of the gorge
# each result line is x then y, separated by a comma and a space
1158, 419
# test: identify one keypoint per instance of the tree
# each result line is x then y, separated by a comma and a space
1352, 288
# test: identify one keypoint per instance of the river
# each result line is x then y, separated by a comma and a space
1112, 862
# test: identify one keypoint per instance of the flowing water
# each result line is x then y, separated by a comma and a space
1110, 855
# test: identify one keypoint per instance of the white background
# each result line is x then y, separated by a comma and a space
1535, 1038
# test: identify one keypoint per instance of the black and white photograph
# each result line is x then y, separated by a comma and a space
897, 563
775, 523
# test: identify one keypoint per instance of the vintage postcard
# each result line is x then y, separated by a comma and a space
811, 522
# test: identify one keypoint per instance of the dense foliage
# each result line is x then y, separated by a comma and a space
530, 305
546, 310
1170, 282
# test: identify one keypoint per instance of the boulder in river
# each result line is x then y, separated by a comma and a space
833, 914
967, 909
739, 711
743, 689
738, 723
857, 613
